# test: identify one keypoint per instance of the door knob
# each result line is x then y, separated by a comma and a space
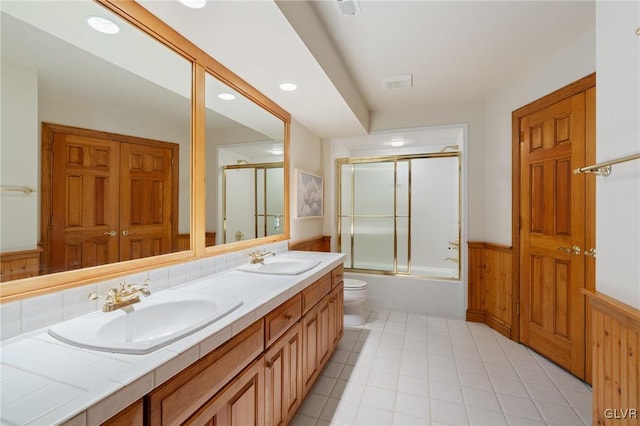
575, 250
111, 233
591, 252
125, 232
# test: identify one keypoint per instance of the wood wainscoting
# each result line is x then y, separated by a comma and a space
20, 264
490, 286
615, 349
184, 240
314, 244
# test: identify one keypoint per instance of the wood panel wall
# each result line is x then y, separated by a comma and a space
615, 348
20, 264
314, 244
184, 240
490, 297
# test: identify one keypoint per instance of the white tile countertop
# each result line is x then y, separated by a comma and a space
45, 381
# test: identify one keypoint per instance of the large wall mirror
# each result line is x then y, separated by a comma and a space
99, 131
100, 139
244, 168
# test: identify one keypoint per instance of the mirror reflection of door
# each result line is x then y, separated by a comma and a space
112, 198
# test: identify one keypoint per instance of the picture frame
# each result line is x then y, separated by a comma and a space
309, 195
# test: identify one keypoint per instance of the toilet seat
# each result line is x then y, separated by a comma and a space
351, 284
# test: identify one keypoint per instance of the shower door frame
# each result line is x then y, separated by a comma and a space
349, 265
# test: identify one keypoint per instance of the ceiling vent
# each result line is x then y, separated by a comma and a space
404, 81
348, 7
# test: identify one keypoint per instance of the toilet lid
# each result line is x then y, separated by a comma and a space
351, 284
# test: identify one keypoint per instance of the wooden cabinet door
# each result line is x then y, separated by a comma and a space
317, 341
310, 348
84, 200
240, 403
283, 378
337, 314
146, 190
133, 415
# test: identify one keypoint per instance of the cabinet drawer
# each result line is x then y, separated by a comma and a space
278, 321
315, 292
337, 276
173, 402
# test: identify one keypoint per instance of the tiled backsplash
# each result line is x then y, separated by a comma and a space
37, 312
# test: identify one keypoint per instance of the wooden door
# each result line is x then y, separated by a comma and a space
83, 221
552, 233
145, 201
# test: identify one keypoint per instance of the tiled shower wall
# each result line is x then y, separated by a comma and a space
37, 312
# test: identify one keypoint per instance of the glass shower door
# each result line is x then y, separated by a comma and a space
373, 216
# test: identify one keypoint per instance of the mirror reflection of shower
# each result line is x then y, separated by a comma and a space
252, 199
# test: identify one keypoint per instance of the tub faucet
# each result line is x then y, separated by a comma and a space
258, 256
453, 259
125, 295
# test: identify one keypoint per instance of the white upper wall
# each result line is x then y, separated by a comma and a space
305, 153
618, 135
558, 71
471, 114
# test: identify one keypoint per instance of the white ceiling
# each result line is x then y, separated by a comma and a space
457, 51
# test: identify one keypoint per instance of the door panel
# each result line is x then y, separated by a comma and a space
85, 199
553, 209
145, 201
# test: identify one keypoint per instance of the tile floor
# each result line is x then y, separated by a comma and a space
409, 369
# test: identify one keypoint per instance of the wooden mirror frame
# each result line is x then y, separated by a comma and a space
202, 63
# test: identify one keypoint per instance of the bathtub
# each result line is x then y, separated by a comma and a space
425, 295
435, 272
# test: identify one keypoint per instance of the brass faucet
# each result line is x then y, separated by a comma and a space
258, 256
125, 295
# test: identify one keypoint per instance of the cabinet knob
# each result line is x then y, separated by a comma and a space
591, 252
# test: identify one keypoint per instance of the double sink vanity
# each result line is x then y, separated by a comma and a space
240, 347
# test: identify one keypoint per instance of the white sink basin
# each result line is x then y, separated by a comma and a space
145, 326
280, 266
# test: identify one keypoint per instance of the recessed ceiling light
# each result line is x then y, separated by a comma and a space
103, 25
227, 96
194, 4
288, 87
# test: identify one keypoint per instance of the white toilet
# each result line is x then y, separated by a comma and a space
355, 294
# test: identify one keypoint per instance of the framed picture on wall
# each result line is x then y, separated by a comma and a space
309, 195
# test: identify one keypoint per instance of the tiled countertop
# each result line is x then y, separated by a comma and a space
45, 381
